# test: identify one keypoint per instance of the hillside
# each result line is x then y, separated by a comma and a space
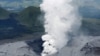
17, 25
91, 26
4, 13
29, 15
29, 18
26, 21
89, 12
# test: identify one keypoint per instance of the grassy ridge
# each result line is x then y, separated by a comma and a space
4, 13
29, 18
91, 26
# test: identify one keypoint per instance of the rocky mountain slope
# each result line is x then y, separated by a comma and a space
16, 49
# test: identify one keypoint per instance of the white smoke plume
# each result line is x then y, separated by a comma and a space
60, 19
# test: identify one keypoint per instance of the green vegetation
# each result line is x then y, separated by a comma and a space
3, 13
29, 18
91, 26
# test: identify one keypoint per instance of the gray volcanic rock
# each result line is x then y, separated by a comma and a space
92, 48
16, 49
36, 45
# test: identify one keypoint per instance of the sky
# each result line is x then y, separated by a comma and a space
26, 3
17, 4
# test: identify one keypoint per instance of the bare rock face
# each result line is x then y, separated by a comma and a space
16, 49
36, 45
92, 48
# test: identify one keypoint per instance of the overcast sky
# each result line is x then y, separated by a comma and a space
19, 3
26, 3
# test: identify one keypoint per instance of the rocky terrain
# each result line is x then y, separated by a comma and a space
21, 32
